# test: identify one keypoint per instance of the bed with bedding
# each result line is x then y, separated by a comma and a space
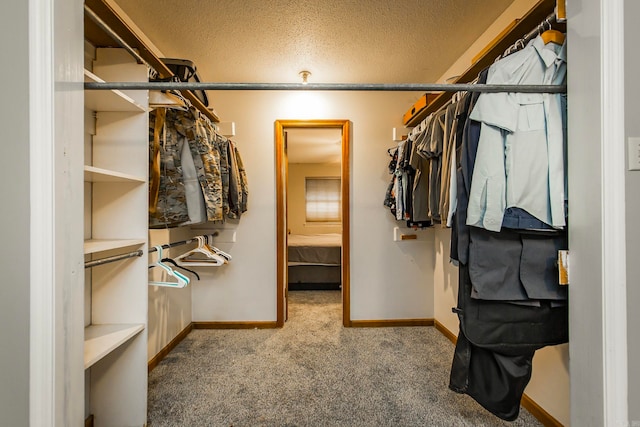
314, 261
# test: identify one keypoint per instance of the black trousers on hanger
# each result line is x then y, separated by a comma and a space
497, 340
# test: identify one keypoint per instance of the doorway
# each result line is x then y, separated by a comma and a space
282, 127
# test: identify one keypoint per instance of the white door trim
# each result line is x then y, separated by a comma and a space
41, 145
614, 281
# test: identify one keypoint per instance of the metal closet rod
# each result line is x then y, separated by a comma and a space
391, 87
181, 242
138, 253
107, 260
396, 87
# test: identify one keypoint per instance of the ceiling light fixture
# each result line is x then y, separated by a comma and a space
305, 75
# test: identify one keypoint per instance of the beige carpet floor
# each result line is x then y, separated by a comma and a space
313, 372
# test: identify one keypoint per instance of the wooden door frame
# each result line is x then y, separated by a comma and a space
281, 210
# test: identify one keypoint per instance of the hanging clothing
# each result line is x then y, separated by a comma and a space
515, 266
244, 184
236, 185
196, 175
522, 139
448, 152
492, 362
195, 202
203, 157
509, 301
166, 148
210, 176
469, 132
398, 196
421, 164
390, 195
222, 146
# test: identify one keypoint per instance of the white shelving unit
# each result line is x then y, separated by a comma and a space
108, 100
116, 197
92, 174
100, 340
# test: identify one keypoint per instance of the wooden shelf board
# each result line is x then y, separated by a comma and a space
99, 245
100, 340
94, 174
108, 100
99, 38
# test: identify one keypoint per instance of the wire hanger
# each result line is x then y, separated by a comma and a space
182, 280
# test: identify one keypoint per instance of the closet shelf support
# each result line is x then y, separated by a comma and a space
391, 87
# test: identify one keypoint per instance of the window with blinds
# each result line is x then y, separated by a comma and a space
322, 199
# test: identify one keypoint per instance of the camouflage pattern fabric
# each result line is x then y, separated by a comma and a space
204, 159
171, 208
211, 162
218, 164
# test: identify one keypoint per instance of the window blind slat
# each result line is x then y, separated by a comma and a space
322, 199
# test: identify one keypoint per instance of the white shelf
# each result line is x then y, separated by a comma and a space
94, 174
108, 100
100, 340
100, 245
116, 213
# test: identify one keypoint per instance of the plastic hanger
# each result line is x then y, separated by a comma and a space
215, 250
552, 36
171, 261
210, 259
175, 264
182, 280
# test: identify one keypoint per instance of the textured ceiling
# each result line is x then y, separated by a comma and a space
314, 145
367, 41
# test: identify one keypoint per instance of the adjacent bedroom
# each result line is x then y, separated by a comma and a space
314, 222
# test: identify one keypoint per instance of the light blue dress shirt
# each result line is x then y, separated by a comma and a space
521, 152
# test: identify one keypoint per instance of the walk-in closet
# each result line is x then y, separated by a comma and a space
459, 250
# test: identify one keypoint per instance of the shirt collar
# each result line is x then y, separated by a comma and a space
549, 54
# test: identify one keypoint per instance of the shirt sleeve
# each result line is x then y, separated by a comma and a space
487, 199
497, 109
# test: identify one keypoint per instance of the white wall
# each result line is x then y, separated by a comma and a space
296, 197
389, 280
15, 224
632, 89
585, 191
